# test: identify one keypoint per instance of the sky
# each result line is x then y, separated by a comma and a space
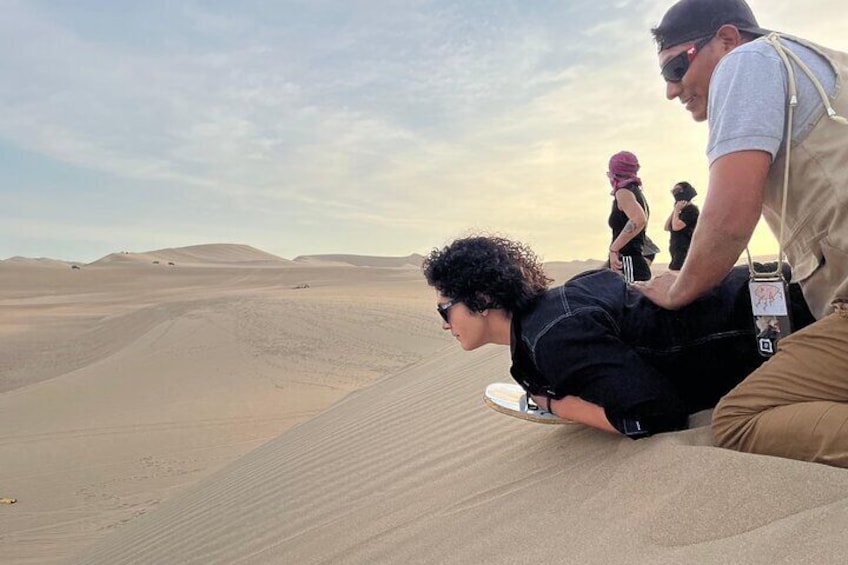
372, 127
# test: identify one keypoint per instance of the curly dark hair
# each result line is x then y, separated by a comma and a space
487, 272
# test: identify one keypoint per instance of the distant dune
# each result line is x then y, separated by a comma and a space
240, 255
213, 254
413, 260
561, 271
39, 262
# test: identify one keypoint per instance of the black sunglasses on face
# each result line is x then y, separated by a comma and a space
442, 309
677, 67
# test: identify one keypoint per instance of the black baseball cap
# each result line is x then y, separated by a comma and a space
689, 20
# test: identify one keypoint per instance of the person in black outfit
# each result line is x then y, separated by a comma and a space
628, 219
596, 350
681, 223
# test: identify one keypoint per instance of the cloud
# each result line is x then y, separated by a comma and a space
389, 124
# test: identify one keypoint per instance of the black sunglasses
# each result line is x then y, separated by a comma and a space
676, 67
442, 309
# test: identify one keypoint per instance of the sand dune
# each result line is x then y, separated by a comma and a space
415, 469
561, 271
215, 254
120, 389
17, 262
413, 260
311, 413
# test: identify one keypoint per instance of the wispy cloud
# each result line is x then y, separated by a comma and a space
362, 126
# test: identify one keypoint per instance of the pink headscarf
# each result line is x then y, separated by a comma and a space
623, 167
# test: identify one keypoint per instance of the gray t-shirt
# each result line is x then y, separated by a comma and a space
749, 95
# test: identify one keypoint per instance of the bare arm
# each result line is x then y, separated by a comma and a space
636, 221
676, 223
578, 410
731, 211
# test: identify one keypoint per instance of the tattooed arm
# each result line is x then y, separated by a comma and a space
636, 222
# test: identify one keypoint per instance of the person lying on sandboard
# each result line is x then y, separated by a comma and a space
595, 350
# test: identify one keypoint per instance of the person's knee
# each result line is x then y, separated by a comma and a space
729, 423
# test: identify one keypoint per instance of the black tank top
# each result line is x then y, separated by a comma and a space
618, 219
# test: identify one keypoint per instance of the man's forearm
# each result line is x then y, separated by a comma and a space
713, 253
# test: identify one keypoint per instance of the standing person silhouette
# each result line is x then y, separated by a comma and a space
681, 223
628, 218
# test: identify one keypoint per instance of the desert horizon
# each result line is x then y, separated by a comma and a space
210, 254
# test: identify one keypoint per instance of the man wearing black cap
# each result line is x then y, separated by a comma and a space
757, 90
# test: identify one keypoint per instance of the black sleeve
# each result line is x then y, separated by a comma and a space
582, 356
689, 215
647, 420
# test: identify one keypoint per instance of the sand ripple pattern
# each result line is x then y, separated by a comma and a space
414, 469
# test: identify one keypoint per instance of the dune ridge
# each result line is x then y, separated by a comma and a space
212, 254
413, 260
240, 255
19, 261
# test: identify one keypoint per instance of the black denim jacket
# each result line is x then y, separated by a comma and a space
600, 339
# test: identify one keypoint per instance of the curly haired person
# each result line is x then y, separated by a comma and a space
595, 350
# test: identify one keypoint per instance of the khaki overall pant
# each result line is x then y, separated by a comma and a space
796, 404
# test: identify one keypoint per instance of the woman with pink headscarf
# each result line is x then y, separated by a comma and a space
628, 218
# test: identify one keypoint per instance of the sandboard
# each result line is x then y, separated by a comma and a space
511, 399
